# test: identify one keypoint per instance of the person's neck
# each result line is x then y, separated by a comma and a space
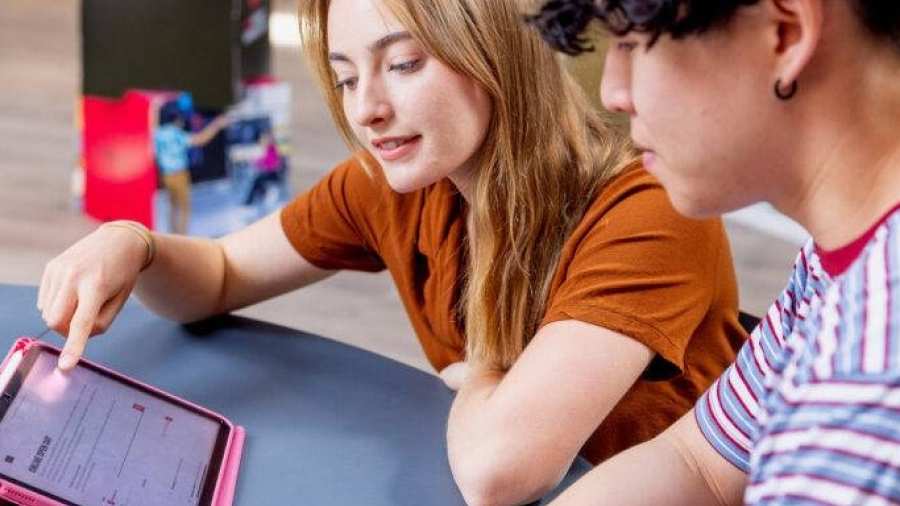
847, 195
464, 181
853, 175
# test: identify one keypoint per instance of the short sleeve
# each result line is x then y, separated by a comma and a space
831, 432
637, 267
334, 224
728, 413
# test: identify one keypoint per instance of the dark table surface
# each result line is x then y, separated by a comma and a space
326, 423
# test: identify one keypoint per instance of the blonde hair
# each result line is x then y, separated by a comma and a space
546, 154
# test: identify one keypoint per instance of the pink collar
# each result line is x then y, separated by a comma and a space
836, 261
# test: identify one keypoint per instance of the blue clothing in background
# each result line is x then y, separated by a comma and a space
172, 145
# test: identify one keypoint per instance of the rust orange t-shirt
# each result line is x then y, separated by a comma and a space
632, 265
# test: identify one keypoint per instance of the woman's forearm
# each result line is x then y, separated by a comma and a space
513, 436
185, 282
193, 278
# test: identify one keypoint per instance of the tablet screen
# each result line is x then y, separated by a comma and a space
88, 438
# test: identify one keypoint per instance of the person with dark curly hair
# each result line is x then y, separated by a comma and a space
795, 103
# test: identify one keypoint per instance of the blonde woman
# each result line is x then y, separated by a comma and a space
545, 273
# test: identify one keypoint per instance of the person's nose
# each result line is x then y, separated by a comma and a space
372, 104
615, 87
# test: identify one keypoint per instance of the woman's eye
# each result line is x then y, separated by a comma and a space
349, 83
407, 66
626, 45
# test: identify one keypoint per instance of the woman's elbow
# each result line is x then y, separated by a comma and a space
486, 481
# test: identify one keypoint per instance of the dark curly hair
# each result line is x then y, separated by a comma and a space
562, 22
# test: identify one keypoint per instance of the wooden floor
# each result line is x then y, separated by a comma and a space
39, 84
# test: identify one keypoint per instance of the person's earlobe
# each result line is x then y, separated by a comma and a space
797, 26
785, 93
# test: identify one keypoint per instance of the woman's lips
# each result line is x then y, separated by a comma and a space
396, 148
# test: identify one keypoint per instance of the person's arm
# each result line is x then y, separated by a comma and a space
216, 276
83, 289
210, 131
512, 438
678, 467
638, 286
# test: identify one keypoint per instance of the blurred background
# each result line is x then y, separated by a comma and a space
41, 157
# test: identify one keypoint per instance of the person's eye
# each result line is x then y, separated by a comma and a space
346, 84
406, 67
626, 45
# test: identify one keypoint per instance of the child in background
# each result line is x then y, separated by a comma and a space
269, 168
172, 141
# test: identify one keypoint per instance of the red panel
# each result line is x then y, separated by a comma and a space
120, 171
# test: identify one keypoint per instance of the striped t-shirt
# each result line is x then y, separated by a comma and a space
811, 407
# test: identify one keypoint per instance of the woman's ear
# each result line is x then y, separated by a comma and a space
796, 31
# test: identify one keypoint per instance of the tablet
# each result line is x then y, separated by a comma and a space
93, 436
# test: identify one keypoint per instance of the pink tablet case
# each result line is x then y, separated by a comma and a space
225, 485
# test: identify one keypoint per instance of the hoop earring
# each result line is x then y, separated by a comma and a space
785, 95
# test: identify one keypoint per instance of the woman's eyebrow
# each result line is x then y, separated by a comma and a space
378, 45
389, 39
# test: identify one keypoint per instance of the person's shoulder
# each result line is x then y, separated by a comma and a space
862, 305
634, 186
890, 229
363, 174
361, 183
630, 179
807, 272
354, 166
635, 201
879, 261
361, 177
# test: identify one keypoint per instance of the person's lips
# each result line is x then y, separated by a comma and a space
395, 148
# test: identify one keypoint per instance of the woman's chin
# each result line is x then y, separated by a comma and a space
406, 179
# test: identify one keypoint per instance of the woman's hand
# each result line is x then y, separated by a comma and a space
83, 289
